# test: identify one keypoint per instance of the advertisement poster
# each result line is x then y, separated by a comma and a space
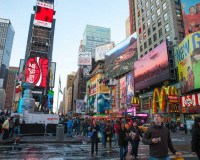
188, 58
44, 14
50, 99
52, 72
120, 59
114, 96
122, 83
100, 51
129, 88
93, 85
80, 107
191, 15
85, 59
152, 68
101, 88
36, 71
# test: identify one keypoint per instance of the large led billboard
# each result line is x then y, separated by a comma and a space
120, 59
191, 15
44, 14
37, 71
153, 68
188, 58
129, 88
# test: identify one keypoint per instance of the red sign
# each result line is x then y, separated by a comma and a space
36, 71
190, 100
173, 99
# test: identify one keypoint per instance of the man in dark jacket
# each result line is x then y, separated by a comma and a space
94, 138
158, 138
123, 144
195, 143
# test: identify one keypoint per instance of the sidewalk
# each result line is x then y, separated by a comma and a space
43, 139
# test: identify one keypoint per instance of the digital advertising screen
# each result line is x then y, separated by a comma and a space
52, 72
44, 14
188, 59
120, 59
50, 99
152, 68
122, 83
37, 71
100, 51
129, 88
191, 15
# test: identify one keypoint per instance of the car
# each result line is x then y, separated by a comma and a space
144, 127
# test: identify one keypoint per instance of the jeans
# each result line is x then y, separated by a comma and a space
69, 132
134, 150
17, 130
154, 158
115, 138
123, 151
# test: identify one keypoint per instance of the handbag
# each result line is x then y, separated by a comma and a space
127, 138
132, 134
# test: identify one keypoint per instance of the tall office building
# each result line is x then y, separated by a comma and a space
132, 18
10, 86
6, 41
95, 36
156, 21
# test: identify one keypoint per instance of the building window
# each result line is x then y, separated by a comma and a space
154, 37
158, 11
152, 1
168, 38
138, 13
147, 13
140, 30
145, 52
159, 22
165, 17
152, 8
155, 45
144, 35
142, 9
181, 35
141, 48
153, 17
147, 4
142, 18
150, 49
157, 3
149, 31
160, 32
177, 2
148, 22
178, 12
139, 22
164, 6
144, 26
166, 28
161, 41
149, 41
154, 27
145, 45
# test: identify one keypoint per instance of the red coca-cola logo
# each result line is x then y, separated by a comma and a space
36, 71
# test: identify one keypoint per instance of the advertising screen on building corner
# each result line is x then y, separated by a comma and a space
188, 58
153, 68
44, 14
191, 15
37, 71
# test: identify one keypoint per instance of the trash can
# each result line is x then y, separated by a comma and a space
60, 132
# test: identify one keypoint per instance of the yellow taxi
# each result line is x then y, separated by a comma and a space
144, 127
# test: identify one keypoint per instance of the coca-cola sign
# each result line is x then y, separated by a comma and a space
36, 71
190, 100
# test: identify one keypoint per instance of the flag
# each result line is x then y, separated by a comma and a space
60, 86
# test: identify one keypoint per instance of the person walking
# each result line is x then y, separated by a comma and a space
158, 138
5, 127
108, 133
135, 133
116, 129
195, 143
122, 142
94, 129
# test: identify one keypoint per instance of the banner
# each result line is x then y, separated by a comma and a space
129, 88
188, 59
122, 92
80, 107
191, 15
85, 59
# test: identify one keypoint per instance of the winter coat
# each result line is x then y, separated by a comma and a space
94, 135
195, 143
137, 131
122, 135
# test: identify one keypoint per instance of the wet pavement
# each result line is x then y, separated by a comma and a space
42, 148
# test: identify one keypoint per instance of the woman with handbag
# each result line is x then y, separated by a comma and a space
123, 141
135, 133
195, 143
94, 129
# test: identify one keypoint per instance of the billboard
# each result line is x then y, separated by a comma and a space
188, 58
129, 88
37, 71
100, 51
120, 59
50, 99
191, 15
80, 107
85, 59
122, 91
44, 14
86, 70
52, 72
152, 68
192, 100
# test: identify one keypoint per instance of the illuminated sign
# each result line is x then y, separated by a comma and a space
36, 71
44, 14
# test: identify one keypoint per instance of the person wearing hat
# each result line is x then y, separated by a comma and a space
195, 143
158, 138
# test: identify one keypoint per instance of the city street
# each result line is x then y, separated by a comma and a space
61, 151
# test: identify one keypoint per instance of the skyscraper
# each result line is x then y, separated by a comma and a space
6, 41
95, 36
156, 21
132, 18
